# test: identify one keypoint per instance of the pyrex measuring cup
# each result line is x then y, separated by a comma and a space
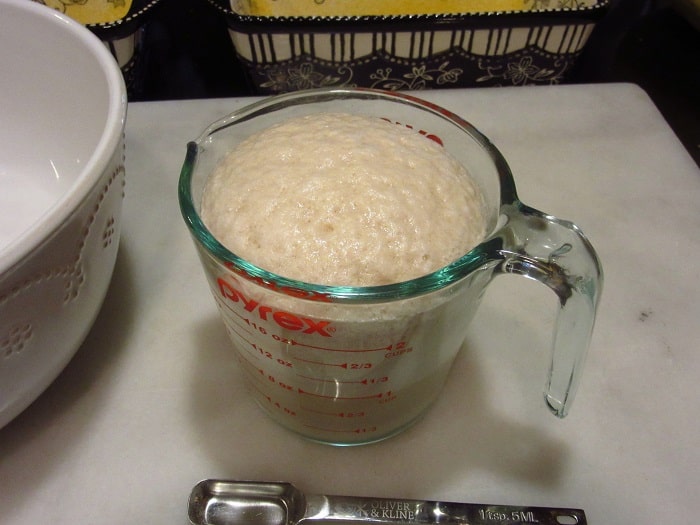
350, 365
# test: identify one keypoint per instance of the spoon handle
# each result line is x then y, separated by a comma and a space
380, 511
227, 502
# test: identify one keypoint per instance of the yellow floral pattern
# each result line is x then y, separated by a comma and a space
394, 7
91, 11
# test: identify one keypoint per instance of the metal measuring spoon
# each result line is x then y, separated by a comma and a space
222, 502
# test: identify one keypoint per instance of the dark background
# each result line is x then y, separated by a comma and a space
651, 43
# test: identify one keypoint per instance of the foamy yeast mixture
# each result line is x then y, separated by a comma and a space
342, 199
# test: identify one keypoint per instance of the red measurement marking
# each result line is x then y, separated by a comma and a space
241, 336
343, 415
426, 134
257, 351
349, 431
351, 350
346, 366
276, 404
393, 350
372, 381
381, 395
339, 365
375, 380
254, 350
243, 360
228, 308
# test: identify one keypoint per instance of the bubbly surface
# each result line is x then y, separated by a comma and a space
341, 199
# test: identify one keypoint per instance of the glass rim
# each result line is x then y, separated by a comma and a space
436, 280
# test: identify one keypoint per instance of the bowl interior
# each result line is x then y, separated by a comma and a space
57, 99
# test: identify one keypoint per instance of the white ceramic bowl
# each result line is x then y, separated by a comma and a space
63, 109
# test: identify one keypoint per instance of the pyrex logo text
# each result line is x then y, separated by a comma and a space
286, 320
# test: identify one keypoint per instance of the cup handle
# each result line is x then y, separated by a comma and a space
556, 253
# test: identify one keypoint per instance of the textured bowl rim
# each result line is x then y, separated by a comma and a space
17, 249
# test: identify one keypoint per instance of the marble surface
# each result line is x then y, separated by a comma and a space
153, 401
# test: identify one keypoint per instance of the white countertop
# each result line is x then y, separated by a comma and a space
153, 401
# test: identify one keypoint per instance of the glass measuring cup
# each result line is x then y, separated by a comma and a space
350, 365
